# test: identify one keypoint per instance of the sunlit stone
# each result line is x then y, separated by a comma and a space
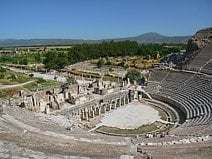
131, 116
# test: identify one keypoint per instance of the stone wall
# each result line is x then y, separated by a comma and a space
41, 101
177, 106
53, 99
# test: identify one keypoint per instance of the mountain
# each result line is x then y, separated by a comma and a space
151, 37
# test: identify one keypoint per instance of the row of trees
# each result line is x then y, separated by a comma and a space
22, 59
82, 52
54, 60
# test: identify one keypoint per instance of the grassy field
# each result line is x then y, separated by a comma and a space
8, 93
8, 77
112, 79
162, 114
142, 130
41, 84
35, 86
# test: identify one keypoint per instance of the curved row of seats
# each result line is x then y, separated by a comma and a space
208, 66
193, 91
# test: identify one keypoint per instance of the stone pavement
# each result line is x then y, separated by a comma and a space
13, 151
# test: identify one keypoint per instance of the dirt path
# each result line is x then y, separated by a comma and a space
15, 85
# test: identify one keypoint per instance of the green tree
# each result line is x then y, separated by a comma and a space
61, 60
50, 60
23, 61
71, 80
2, 72
54, 60
38, 57
82, 52
133, 74
100, 63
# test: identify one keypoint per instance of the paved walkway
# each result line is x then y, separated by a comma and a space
131, 116
45, 76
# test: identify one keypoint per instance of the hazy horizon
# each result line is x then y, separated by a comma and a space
89, 39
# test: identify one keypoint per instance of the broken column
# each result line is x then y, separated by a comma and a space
128, 81
47, 109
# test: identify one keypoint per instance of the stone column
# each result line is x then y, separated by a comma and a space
47, 110
110, 106
127, 100
123, 84
123, 101
78, 89
105, 110
86, 115
128, 82
21, 93
135, 94
107, 107
115, 104
120, 102
82, 115
92, 113
99, 110
95, 111
139, 97
10, 101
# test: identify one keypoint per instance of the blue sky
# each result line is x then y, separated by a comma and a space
97, 19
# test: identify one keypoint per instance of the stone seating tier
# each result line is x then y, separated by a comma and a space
193, 91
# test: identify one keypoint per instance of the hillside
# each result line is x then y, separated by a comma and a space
151, 37
12, 82
198, 56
